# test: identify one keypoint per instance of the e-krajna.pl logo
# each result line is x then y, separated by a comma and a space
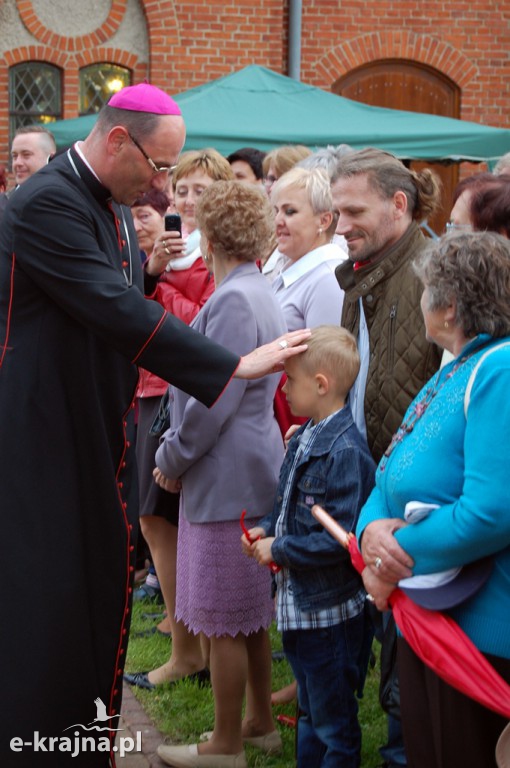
77, 742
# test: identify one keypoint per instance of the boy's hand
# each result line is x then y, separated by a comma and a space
248, 544
262, 550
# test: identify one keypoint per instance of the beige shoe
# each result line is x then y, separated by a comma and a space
187, 757
270, 743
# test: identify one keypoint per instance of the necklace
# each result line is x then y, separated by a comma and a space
419, 409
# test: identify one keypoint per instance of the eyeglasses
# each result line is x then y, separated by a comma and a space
155, 168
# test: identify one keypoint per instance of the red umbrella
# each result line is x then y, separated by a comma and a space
435, 637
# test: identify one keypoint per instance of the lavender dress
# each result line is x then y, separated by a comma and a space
220, 591
228, 458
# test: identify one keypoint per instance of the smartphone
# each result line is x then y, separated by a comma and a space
173, 223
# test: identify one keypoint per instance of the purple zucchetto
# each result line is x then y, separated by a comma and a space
144, 98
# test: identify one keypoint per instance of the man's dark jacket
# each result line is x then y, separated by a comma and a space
401, 359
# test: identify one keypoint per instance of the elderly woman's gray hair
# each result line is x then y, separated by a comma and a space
325, 157
315, 183
471, 269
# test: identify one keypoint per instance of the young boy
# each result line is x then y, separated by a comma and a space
320, 598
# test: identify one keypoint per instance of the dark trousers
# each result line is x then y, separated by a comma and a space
442, 727
326, 665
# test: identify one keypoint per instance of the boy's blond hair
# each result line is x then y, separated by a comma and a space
333, 351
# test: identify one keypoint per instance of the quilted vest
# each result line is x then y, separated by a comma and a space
401, 359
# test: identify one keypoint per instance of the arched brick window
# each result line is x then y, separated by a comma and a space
98, 82
35, 94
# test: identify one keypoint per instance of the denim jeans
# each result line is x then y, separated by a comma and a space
326, 665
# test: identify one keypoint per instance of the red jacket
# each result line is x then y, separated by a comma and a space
183, 293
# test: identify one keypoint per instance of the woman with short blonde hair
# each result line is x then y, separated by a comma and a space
307, 288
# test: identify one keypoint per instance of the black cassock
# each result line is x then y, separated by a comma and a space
74, 325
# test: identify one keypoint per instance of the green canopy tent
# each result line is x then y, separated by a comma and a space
259, 108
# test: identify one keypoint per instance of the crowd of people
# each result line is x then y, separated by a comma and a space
289, 337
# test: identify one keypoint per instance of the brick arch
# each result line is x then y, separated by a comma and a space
110, 55
81, 42
36, 53
402, 44
21, 55
62, 59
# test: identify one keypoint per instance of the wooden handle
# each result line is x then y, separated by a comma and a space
331, 525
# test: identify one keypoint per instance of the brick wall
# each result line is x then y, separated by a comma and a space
468, 41
191, 42
212, 38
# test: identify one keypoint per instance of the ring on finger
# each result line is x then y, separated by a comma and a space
378, 562
283, 343
167, 250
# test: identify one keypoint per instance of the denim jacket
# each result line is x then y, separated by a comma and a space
338, 474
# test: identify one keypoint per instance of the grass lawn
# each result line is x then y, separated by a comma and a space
184, 711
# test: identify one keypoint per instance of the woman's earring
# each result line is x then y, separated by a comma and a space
446, 323
320, 230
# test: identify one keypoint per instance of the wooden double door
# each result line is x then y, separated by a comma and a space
408, 85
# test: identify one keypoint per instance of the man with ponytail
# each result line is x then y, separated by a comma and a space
380, 204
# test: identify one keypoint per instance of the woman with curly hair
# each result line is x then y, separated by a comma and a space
227, 460
183, 286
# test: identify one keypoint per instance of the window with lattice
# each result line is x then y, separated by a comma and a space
35, 94
98, 83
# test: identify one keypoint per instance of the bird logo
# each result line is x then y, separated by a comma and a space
101, 714
101, 717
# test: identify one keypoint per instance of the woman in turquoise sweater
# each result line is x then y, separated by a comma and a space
451, 451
